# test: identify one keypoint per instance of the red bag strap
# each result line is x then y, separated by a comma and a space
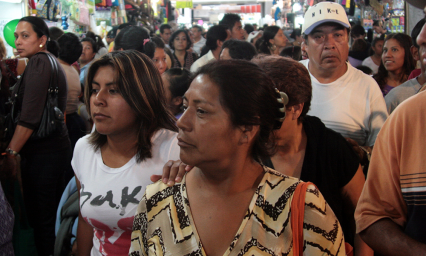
298, 215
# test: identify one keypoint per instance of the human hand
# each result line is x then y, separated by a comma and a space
9, 167
173, 171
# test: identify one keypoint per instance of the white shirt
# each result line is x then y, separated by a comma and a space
101, 52
370, 63
198, 45
109, 196
353, 105
202, 61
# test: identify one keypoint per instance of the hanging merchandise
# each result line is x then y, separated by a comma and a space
184, 4
91, 5
48, 9
80, 13
377, 7
118, 12
31, 3
114, 20
65, 8
64, 24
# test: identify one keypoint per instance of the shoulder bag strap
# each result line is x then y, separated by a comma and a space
54, 74
297, 216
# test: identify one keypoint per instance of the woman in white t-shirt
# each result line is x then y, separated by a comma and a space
374, 60
134, 137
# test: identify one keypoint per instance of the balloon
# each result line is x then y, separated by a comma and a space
8, 32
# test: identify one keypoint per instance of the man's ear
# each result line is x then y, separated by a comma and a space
219, 43
177, 101
415, 53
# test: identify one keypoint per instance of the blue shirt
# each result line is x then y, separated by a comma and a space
83, 73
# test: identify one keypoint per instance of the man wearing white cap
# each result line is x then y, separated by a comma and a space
344, 98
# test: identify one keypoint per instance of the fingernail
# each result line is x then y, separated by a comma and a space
170, 183
178, 179
165, 180
187, 168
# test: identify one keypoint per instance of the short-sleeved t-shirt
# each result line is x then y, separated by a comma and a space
330, 163
109, 196
370, 63
401, 93
352, 105
395, 188
164, 224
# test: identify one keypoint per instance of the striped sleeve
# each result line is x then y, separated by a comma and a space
323, 234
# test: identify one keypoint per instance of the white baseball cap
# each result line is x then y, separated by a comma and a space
324, 12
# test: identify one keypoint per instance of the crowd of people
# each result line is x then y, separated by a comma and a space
194, 142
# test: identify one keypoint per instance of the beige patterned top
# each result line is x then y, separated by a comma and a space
163, 224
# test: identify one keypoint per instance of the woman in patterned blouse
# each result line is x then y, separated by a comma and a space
230, 204
180, 42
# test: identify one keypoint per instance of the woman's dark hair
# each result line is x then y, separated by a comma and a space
3, 51
70, 48
357, 30
41, 29
373, 44
179, 80
258, 43
169, 52
247, 94
131, 38
151, 45
359, 45
409, 62
268, 34
92, 42
294, 52
96, 38
296, 32
55, 33
289, 76
140, 84
175, 34
239, 50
